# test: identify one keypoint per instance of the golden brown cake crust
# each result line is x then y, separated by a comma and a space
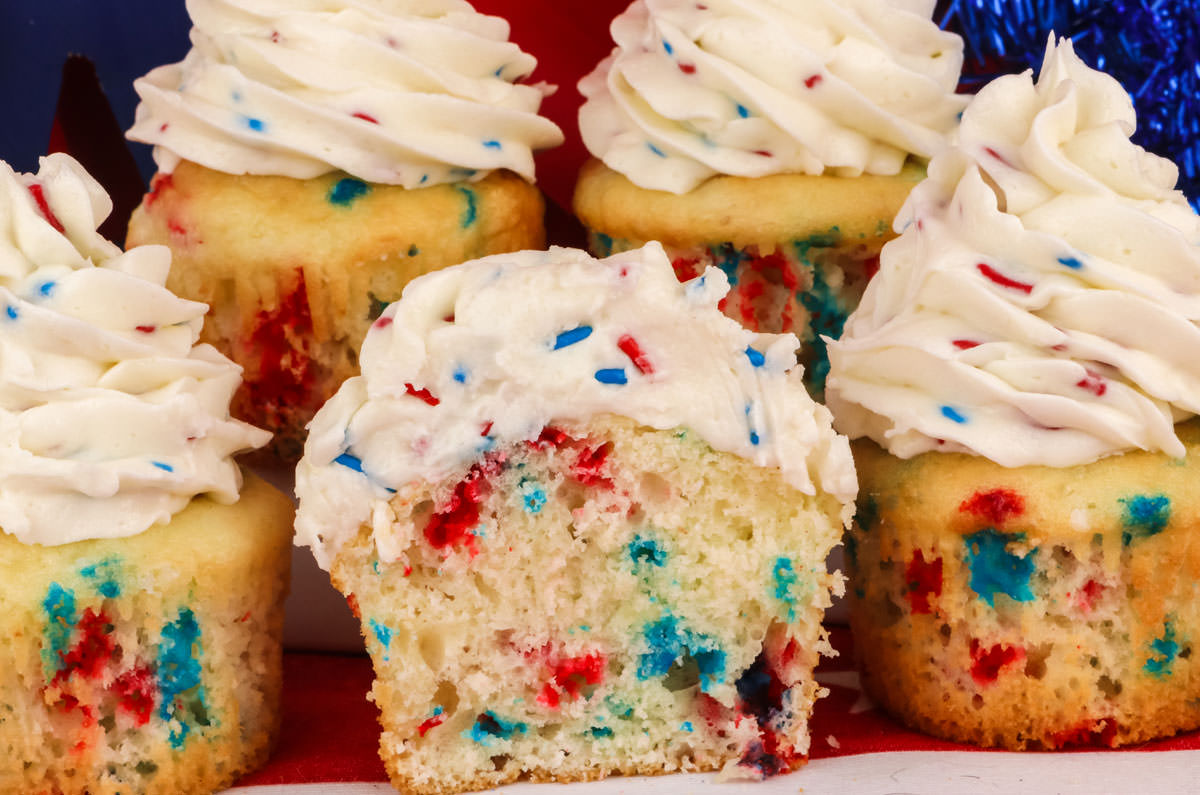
1032, 607
295, 271
744, 211
96, 635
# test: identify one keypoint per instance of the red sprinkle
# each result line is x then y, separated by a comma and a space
39, 196
809, 82
431, 723
423, 394
923, 580
383, 322
686, 268
687, 68
145, 329
986, 664
964, 345
997, 155
996, 505
487, 428
1094, 383
588, 466
568, 676
762, 153
365, 117
630, 348
1002, 280
452, 525
275, 36
160, 183
550, 437
163, 127
135, 693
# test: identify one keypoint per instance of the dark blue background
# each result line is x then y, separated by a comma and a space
123, 38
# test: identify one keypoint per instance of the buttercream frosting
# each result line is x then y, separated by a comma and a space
1041, 305
398, 92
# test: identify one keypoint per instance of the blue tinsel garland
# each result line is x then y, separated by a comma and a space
1151, 46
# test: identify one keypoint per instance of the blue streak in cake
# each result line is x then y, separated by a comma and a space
59, 606
784, 576
643, 549
470, 213
668, 642
996, 570
179, 672
488, 726
1144, 516
347, 190
1163, 650
106, 573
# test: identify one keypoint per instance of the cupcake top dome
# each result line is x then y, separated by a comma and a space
1042, 305
111, 416
492, 351
757, 87
397, 92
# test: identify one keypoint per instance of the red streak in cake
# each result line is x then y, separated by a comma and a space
1085, 597
135, 691
997, 505
686, 268
431, 723
1094, 383
452, 526
1004, 281
93, 649
160, 183
923, 580
1094, 732
279, 374
423, 394
966, 345
39, 197
630, 348
365, 117
352, 602
986, 664
811, 81
871, 267
175, 227
588, 466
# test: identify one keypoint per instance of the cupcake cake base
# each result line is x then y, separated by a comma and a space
604, 599
147, 664
295, 271
1033, 607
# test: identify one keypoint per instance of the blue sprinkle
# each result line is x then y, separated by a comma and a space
756, 357
655, 149
383, 634
612, 375
601, 732
413, 250
1144, 516
686, 726
488, 725
345, 191
471, 211
424, 179
604, 244
179, 671
996, 570
47, 288
1070, 262
460, 375
1164, 650
11, 311
743, 111
754, 438
667, 46
785, 577
648, 550
237, 96
349, 461
163, 467
533, 496
59, 605
492, 144
578, 334
258, 125
953, 415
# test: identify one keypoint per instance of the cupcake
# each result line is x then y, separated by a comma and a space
313, 157
582, 540
140, 595
776, 141
1023, 374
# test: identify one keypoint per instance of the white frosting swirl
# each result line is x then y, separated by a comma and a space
616, 336
399, 92
757, 87
1042, 304
111, 417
